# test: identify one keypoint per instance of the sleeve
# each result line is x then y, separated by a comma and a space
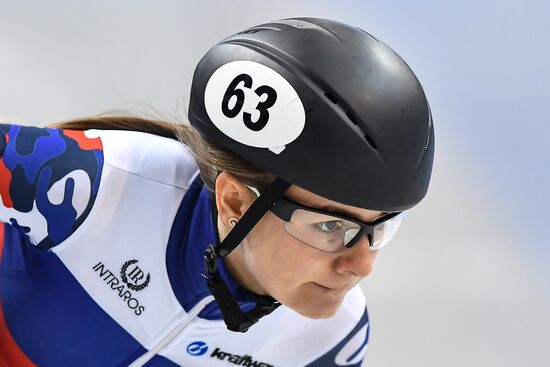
351, 350
49, 179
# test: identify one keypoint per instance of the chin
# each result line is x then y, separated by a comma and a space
319, 313
313, 301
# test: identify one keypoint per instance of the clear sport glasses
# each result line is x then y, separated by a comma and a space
331, 232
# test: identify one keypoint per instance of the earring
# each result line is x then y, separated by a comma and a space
232, 222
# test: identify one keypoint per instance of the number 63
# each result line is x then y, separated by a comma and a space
262, 107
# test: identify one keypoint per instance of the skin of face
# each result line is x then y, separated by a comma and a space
271, 262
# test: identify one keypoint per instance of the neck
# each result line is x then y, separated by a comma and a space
236, 264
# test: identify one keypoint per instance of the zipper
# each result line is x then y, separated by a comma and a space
194, 312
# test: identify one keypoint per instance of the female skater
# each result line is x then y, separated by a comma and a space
239, 240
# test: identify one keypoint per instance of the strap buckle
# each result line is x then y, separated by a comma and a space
234, 317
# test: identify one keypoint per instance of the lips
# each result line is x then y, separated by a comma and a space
325, 288
335, 289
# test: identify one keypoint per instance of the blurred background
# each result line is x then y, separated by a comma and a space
466, 282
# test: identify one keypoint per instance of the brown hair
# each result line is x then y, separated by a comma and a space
210, 157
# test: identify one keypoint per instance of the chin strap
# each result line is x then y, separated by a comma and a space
234, 317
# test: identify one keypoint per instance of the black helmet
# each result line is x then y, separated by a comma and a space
322, 105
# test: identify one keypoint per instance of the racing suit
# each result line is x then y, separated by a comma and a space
101, 264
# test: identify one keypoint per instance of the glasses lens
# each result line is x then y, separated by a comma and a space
324, 232
384, 232
350, 235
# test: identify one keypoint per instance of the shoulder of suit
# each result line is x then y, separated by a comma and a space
149, 156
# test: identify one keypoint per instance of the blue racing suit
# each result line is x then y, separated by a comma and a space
102, 234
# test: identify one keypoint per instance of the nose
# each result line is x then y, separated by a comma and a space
358, 259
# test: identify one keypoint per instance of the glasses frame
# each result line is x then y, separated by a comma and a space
284, 209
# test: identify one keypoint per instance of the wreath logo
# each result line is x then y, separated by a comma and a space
135, 275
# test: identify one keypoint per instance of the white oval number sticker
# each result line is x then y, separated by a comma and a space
254, 105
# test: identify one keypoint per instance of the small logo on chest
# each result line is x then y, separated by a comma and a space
197, 348
133, 275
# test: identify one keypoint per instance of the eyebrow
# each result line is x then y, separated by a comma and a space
331, 209
334, 209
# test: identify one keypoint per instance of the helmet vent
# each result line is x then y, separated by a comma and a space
370, 141
258, 29
351, 118
331, 97
428, 136
367, 136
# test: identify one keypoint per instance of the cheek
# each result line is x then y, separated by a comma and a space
287, 270
279, 262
